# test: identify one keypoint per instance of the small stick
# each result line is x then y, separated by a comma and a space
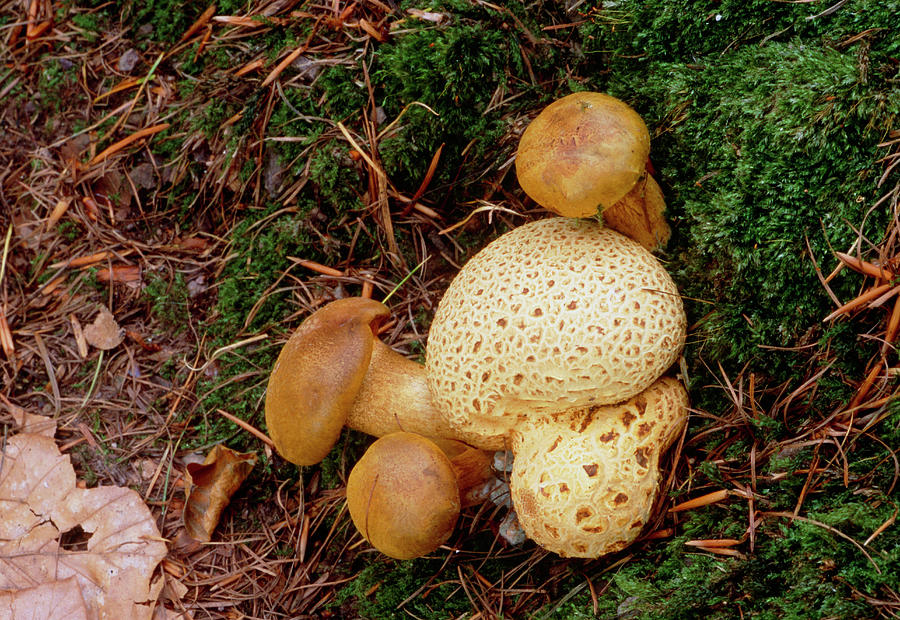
866, 385
881, 528
720, 551
253, 431
317, 267
872, 293
869, 269
198, 25
714, 542
253, 65
121, 144
893, 325
703, 500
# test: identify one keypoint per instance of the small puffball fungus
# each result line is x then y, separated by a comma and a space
584, 481
334, 371
554, 315
587, 152
405, 493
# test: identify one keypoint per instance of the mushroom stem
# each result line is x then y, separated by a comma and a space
475, 477
639, 214
394, 396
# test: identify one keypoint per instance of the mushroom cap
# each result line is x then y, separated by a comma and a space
554, 315
403, 496
317, 376
583, 482
582, 152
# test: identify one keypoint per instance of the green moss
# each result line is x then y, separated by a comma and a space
168, 300
380, 587
761, 149
456, 72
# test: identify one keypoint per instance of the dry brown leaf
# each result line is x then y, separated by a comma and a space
104, 540
209, 487
104, 333
55, 599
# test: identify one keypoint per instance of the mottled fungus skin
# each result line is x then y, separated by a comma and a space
403, 495
584, 481
554, 315
582, 153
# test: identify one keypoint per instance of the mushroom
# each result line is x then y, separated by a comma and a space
556, 327
405, 493
586, 152
554, 315
584, 481
333, 371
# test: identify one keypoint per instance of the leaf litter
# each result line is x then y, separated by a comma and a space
68, 551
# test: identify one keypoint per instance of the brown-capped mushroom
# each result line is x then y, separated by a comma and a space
584, 153
405, 493
334, 371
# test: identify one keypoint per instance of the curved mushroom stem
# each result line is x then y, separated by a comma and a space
475, 477
584, 482
639, 215
394, 396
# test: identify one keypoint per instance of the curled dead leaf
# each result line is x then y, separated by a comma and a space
53, 535
209, 487
104, 333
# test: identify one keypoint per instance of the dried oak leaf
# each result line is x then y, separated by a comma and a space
210, 486
104, 332
104, 540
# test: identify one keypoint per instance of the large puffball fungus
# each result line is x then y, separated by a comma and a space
554, 315
584, 481
403, 495
582, 152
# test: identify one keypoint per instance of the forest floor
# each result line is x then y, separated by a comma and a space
212, 175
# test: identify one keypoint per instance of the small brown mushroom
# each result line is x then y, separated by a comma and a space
586, 152
405, 493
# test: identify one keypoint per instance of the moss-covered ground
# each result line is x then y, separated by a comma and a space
775, 137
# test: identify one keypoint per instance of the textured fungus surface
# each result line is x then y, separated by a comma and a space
583, 482
553, 315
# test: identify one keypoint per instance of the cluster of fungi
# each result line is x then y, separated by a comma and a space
550, 344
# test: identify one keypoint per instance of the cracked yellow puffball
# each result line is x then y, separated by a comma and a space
584, 481
554, 315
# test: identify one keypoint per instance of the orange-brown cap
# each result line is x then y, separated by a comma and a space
317, 376
403, 496
582, 153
